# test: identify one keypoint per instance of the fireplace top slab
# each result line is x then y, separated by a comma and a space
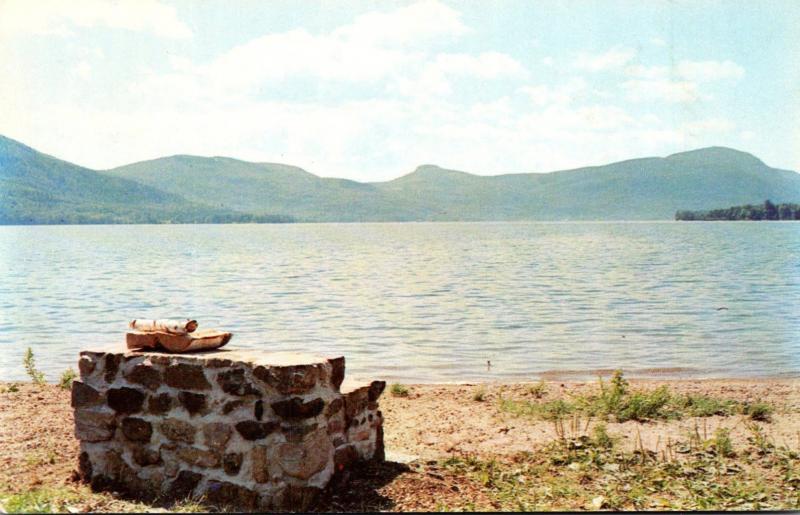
222, 357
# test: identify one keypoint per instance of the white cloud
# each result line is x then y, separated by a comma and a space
614, 58
355, 53
416, 23
696, 71
666, 90
707, 71
403, 104
544, 94
58, 17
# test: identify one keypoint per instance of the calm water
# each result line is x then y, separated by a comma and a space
425, 302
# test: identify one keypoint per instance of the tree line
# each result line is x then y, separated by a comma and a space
765, 211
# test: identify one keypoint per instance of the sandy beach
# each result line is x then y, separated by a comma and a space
429, 431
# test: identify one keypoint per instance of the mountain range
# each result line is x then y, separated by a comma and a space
39, 189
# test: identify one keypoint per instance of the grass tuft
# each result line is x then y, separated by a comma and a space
399, 390
66, 379
615, 400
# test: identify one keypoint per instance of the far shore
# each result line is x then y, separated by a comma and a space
440, 439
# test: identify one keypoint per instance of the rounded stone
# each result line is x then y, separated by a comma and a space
159, 404
296, 408
216, 435
184, 484
232, 463
254, 430
186, 377
177, 430
145, 375
112, 362
234, 382
125, 400
145, 457
136, 429
84, 396
94, 426
193, 402
289, 380
304, 459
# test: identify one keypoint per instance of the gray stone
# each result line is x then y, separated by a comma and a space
234, 382
84, 396
303, 460
177, 430
216, 435
199, 457
291, 379
94, 426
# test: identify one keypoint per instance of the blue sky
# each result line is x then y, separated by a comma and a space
370, 90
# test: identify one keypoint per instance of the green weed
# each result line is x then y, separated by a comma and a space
399, 390
66, 379
30, 367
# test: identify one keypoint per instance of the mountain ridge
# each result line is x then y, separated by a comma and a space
185, 187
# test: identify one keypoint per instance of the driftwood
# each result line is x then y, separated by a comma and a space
194, 341
164, 326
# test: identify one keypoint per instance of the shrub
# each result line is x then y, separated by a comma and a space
704, 406
399, 390
601, 438
30, 367
758, 411
722, 442
539, 389
643, 406
66, 379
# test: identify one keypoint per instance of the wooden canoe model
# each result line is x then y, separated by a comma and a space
177, 343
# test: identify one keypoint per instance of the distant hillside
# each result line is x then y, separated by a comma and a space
639, 189
269, 188
39, 189
36, 188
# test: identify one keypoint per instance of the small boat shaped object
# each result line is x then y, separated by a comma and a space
177, 343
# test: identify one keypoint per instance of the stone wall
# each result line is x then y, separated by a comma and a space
249, 429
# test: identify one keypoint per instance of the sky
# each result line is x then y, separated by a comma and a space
369, 90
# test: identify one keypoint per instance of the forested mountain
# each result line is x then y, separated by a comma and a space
36, 188
39, 189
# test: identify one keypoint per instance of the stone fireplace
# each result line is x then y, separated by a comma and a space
246, 429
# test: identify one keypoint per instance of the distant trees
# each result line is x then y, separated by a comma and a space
765, 211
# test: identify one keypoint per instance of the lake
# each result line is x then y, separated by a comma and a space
422, 302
